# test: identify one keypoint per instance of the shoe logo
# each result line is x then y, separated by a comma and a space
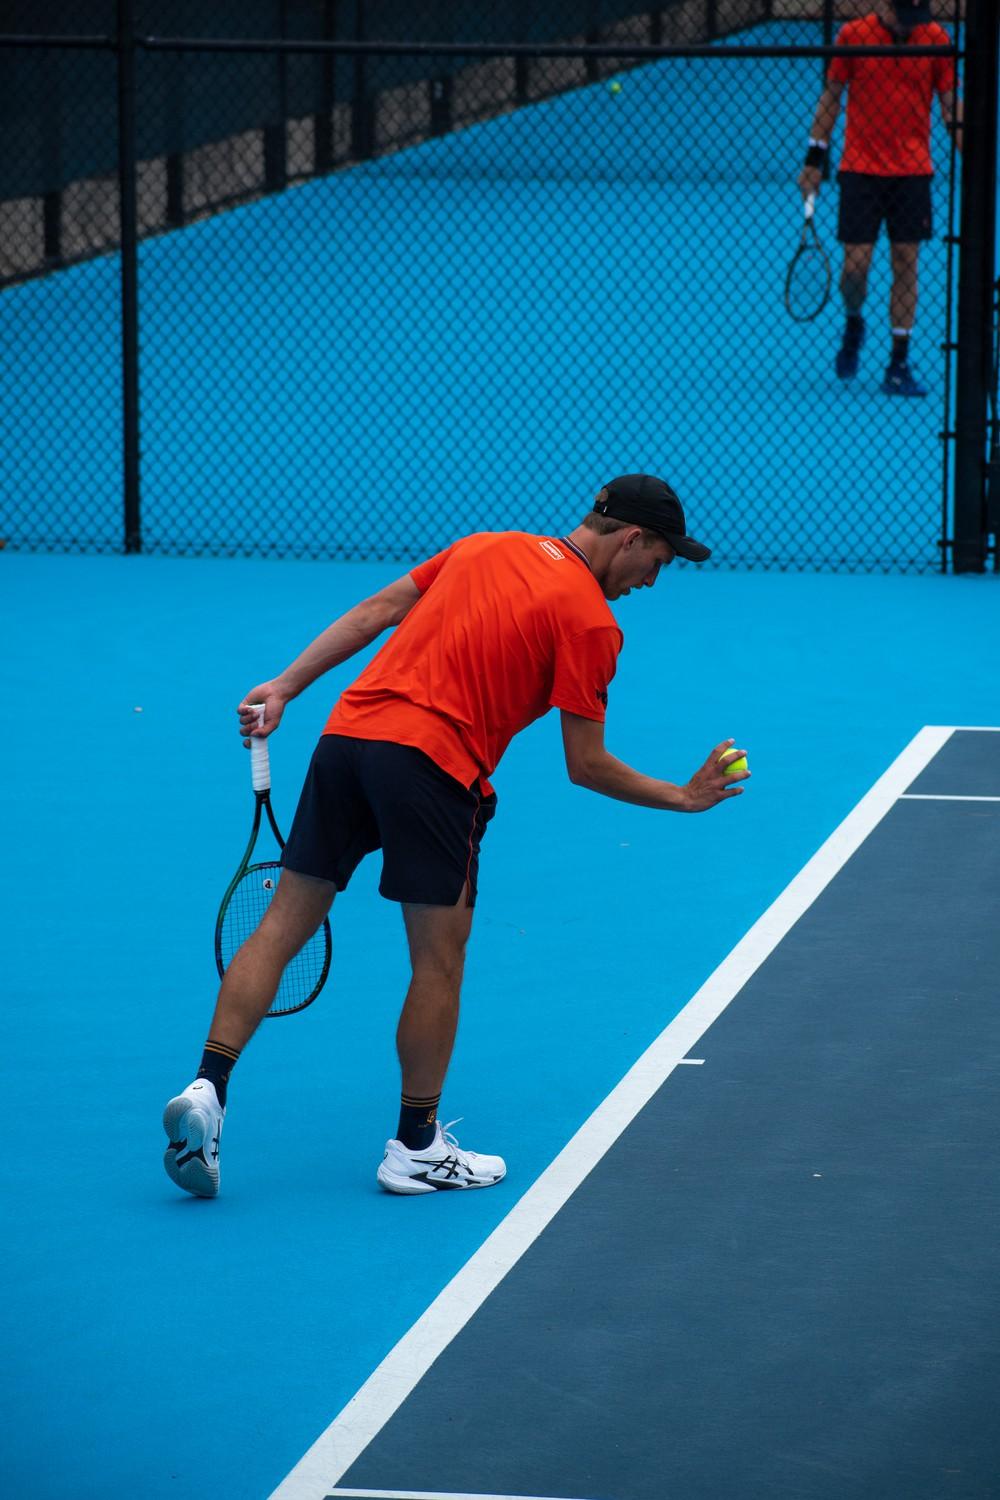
438, 1182
449, 1173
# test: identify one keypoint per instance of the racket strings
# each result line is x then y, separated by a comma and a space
247, 904
808, 285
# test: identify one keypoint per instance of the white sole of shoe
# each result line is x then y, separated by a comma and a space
394, 1183
193, 1128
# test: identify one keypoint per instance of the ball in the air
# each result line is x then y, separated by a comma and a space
614, 87
736, 766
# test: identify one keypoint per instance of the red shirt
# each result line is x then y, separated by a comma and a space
509, 625
889, 99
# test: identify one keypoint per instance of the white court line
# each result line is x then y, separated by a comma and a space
942, 797
423, 1495
388, 1386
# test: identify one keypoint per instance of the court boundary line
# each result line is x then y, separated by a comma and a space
315, 1475
338, 1494
942, 797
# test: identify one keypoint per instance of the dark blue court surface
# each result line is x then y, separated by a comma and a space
780, 1280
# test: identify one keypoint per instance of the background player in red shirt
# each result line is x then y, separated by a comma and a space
885, 170
489, 635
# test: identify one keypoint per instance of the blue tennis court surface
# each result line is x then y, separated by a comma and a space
154, 1343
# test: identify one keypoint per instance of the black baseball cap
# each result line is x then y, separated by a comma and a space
650, 502
911, 13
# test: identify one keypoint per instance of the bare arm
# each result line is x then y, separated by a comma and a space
351, 633
590, 765
824, 120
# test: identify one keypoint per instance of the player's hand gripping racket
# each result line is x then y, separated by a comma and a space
249, 895
807, 285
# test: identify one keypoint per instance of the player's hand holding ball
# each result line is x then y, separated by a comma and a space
714, 782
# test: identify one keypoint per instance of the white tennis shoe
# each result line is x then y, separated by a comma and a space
438, 1167
193, 1122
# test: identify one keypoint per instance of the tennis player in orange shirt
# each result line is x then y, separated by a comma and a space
486, 637
885, 169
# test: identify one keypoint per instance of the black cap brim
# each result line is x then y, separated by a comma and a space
688, 548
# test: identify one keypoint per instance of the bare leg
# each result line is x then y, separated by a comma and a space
903, 300
854, 276
425, 1036
251, 982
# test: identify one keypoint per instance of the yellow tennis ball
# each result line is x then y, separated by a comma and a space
614, 87
736, 766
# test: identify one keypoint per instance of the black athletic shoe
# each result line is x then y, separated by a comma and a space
899, 380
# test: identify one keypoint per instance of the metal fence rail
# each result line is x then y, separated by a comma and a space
329, 296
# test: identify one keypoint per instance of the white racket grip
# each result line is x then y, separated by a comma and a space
810, 205
260, 758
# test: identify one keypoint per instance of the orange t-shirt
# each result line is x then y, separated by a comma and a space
509, 625
889, 99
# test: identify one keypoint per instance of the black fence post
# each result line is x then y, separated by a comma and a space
324, 144
993, 462
977, 236
276, 134
172, 72
130, 271
362, 107
441, 96
522, 75
52, 199
592, 34
52, 228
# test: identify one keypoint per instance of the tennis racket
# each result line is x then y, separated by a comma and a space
249, 895
807, 285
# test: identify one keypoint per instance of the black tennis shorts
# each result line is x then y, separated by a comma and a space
903, 203
362, 795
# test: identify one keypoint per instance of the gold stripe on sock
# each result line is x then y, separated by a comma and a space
221, 1050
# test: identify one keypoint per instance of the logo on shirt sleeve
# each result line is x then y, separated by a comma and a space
602, 697
553, 551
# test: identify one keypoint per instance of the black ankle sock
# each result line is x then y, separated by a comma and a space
417, 1122
217, 1062
900, 348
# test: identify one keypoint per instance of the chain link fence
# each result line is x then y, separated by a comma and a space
411, 287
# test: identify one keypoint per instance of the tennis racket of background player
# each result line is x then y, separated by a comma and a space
249, 895
809, 279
